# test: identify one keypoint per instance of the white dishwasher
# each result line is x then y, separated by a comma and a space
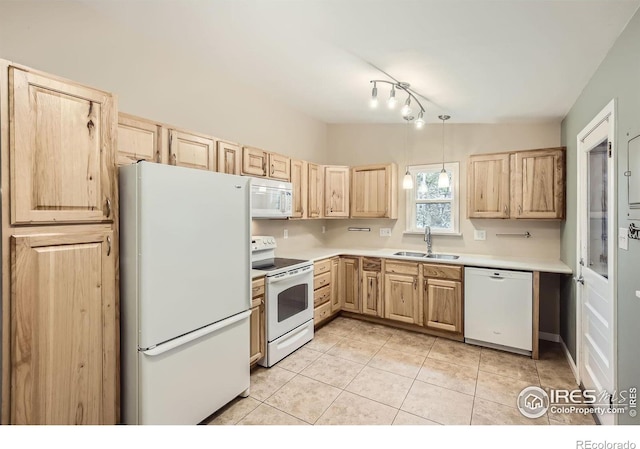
498, 309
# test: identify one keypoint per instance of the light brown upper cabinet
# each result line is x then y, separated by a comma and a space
537, 184
374, 191
139, 140
316, 191
229, 157
61, 144
299, 181
522, 185
488, 186
188, 149
279, 167
64, 334
336, 191
254, 161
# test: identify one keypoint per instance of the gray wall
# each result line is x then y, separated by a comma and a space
617, 77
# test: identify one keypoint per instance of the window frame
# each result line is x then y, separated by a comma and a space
412, 202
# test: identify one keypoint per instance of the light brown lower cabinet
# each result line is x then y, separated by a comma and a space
336, 305
256, 322
443, 305
257, 332
64, 345
442, 296
349, 284
371, 286
401, 298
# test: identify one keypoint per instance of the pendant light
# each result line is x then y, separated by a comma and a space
443, 179
407, 181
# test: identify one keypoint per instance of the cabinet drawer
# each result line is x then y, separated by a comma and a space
257, 287
321, 267
371, 264
321, 281
401, 268
321, 295
321, 313
442, 271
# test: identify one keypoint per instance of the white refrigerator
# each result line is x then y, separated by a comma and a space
185, 292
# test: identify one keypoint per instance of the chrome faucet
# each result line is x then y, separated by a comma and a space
427, 238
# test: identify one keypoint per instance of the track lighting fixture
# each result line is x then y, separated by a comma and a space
406, 110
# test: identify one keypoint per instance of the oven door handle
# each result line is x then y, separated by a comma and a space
288, 276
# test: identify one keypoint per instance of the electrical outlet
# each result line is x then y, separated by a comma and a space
286, 234
324, 229
479, 234
385, 232
623, 238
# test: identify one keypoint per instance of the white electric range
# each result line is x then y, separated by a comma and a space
288, 299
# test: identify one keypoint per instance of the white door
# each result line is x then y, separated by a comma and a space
596, 256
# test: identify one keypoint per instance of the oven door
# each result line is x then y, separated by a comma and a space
289, 301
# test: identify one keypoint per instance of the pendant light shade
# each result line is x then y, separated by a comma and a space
443, 179
407, 181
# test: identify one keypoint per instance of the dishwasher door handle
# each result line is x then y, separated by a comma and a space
497, 276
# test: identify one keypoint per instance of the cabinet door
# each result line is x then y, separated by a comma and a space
279, 167
336, 191
336, 305
62, 144
299, 177
443, 305
64, 346
349, 284
191, 150
488, 186
371, 293
401, 298
316, 191
257, 333
538, 184
254, 161
138, 140
373, 191
228, 157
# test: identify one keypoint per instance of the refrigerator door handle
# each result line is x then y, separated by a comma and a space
172, 344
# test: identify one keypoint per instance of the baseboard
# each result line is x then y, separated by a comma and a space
549, 337
572, 364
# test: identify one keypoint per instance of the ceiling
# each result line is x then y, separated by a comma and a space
479, 61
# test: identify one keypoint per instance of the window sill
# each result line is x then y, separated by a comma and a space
450, 234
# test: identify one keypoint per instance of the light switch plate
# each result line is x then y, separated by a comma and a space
385, 232
286, 234
623, 239
479, 234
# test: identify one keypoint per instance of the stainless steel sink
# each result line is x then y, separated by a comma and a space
426, 256
442, 256
410, 254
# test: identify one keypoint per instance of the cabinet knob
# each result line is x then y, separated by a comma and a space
108, 207
108, 246
519, 209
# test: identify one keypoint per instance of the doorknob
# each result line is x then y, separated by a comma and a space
579, 280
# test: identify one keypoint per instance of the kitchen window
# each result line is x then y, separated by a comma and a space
429, 205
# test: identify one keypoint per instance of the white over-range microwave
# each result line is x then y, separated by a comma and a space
271, 198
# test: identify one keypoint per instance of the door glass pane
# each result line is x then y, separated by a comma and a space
436, 215
291, 301
597, 248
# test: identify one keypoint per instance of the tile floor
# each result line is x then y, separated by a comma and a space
354, 372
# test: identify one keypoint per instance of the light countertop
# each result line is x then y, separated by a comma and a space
472, 260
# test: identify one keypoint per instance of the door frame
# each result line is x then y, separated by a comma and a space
607, 113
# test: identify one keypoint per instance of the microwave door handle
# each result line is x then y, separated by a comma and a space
283, 207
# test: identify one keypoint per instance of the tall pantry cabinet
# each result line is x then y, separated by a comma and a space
60, 344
